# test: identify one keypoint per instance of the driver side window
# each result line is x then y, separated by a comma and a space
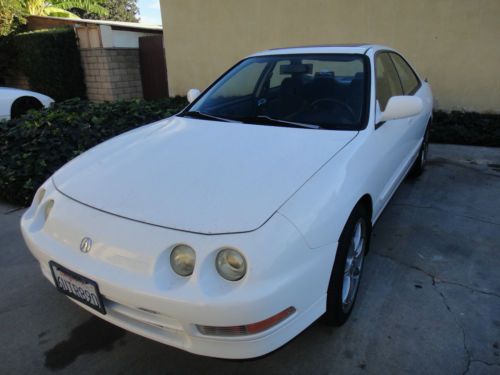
387, 80
276, 76
242, 84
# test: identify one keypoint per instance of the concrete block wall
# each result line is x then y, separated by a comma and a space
112, 73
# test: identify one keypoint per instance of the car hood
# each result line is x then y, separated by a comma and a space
199, 176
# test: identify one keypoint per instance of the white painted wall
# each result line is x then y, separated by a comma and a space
119, 38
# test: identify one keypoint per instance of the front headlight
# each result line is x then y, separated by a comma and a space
182, 260
230, 264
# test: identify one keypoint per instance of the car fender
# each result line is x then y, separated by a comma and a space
319, 210
44, 99
9, 95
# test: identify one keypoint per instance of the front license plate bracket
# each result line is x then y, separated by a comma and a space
77, 287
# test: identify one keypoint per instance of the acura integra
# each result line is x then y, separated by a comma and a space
229, 228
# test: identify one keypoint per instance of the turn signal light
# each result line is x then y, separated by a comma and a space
39, 196
48, 208
249, 329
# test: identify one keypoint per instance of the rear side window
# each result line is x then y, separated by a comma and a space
409, 79
388, 83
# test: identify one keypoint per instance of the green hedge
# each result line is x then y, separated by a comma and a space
466, 128
37, 144
49, 58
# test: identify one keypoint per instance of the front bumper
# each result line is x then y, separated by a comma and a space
130, 263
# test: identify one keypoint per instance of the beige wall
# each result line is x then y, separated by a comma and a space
454, 43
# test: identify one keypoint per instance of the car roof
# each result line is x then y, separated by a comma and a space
358, 48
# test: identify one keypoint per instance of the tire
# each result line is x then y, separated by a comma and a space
419, 165
24, 104
340, 295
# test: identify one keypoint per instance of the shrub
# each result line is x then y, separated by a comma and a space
8, 55
49, 58
37, 144
466, 128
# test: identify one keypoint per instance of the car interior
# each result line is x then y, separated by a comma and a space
326, 91
311, 98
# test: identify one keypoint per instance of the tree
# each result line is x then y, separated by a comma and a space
11, 15
60, 8
118, 10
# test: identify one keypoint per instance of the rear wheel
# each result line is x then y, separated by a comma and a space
347, 269
419, 164
24, 104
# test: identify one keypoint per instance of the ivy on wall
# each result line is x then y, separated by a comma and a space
50, 59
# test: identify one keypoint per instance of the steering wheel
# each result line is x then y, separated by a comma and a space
336, 102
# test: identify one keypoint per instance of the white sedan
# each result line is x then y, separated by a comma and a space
16, 102
229, 228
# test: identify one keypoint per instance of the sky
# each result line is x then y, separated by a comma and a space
150, 11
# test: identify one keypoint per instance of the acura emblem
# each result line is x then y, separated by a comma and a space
85, 245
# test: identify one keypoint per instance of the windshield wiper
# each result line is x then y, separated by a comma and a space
266, 120
204, 116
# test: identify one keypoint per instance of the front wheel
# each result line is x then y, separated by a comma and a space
346, 274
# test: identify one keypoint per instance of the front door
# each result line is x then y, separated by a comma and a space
393, 138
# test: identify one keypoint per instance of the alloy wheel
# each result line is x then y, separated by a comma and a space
353, 265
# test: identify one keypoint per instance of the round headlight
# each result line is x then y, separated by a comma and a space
182, 260
230, 264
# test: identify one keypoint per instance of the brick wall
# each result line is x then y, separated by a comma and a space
112, 73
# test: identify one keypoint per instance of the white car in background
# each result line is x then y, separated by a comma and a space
229, 228
16, 102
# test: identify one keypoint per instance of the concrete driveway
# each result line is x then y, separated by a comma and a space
429, 301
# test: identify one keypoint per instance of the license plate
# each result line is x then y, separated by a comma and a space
77, 286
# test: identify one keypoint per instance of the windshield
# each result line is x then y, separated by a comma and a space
327, 90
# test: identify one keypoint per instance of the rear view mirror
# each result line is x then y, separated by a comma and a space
192, 94
400, 107
296, 69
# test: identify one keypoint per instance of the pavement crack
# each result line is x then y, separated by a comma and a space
490, 364
435, 284
474, 218
397, 261
435, 279
474, 290
467, 353
472, 360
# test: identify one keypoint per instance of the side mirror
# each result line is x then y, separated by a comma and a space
192, 94
400, 107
